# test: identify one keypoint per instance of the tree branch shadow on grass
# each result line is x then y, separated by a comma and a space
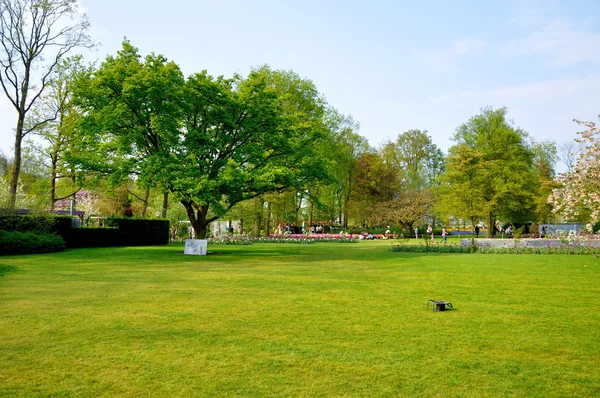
5, 269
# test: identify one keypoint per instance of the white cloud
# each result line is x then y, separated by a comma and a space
542, 91
563, 41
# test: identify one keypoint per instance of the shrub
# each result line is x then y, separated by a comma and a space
93, 237
39, 223
29, 243
431, 248
141, 232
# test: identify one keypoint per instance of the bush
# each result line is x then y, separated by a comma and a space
431, 248
39, 223
29, 243
141, 232
93, 237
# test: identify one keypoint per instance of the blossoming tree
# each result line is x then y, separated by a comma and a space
579, 193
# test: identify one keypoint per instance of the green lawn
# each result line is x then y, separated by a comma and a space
297, 320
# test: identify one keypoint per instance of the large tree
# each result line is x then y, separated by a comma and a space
61, 116
212, 142
35, 36
507, 180
461, 192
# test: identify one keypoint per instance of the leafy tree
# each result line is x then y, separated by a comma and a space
34, 39
414, 161
56, 118
544, 157
580, 189
417, 157
461, 192
405, 209
508, 181
342, 152
211, 142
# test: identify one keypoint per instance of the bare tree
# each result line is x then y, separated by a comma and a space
35, 37
567, 153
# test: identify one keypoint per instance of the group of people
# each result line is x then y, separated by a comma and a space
430, 233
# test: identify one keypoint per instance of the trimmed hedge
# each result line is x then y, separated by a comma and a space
123, 232
29, 243
40, 223
78, 238
141, 232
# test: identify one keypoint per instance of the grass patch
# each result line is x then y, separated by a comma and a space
295, 320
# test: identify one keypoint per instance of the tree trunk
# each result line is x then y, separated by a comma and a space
53, 183
268, 220
165, 204
258, 214
145, 201
345, 213
473, 232
491, 226
198, 218
297, 206
16, 170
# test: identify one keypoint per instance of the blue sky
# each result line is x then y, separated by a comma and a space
392, 65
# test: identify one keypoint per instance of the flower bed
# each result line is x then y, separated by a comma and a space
551, 247
283, 238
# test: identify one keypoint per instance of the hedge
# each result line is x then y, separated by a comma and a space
141, 232
29, 243
78, 238
121, 232
125, 231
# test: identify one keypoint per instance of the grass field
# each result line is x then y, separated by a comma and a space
297, 320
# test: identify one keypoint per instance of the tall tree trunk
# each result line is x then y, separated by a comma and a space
165, 204
145, 201
491, 226
16, 169
258, 214
345, 212
53, 173
297, 206
268, 220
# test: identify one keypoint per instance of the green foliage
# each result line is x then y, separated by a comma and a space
29, 243
38, 223
428, 247
491, 167
211, 142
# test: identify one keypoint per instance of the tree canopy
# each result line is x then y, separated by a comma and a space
212, 142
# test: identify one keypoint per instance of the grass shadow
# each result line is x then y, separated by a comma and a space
5, 269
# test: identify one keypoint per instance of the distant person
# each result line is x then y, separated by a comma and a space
444, 233
430, 231
387, 232
417, 232
477, 231
543, 231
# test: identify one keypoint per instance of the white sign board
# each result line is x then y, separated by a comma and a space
196, 247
